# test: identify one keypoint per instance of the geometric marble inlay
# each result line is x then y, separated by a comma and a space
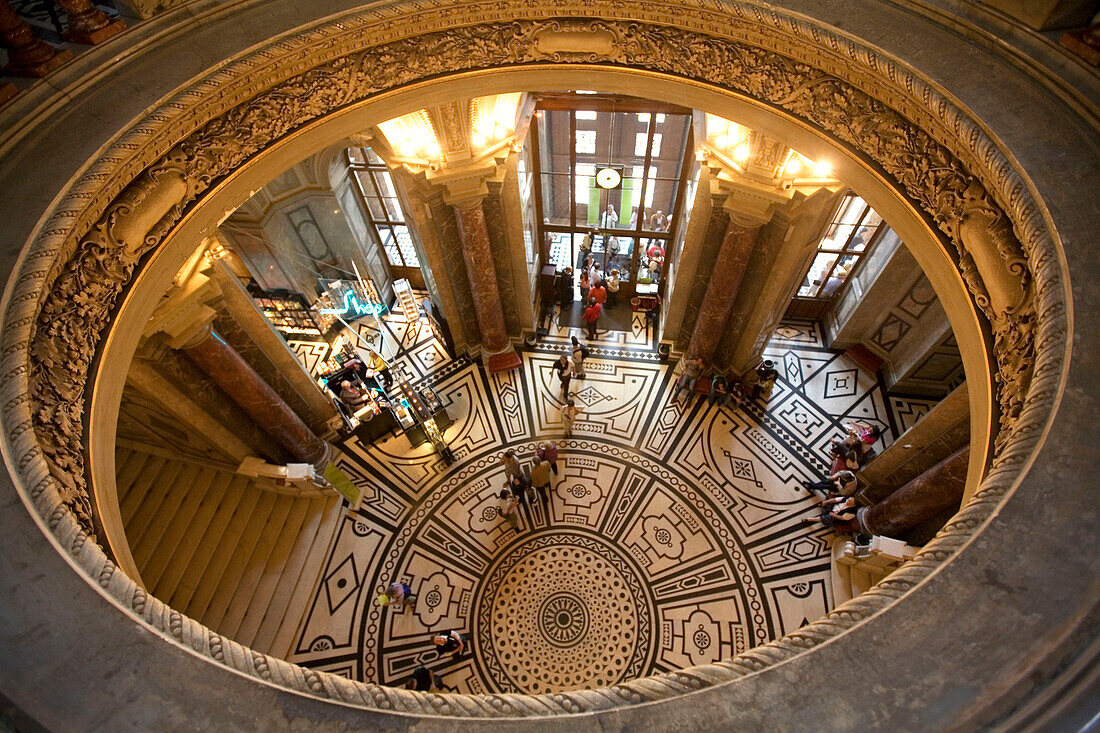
672, 536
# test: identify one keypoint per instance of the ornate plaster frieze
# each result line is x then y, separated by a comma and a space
129, 200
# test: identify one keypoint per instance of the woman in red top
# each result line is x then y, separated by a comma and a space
591, 315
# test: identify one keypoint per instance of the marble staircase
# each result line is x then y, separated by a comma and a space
857, 568
232, 552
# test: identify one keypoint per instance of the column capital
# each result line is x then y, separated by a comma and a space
466, 187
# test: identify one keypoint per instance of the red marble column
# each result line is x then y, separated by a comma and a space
474, 236
938, 488
27, 55
725, 280
88, 24
231, 372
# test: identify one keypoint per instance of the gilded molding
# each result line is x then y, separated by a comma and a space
131, 197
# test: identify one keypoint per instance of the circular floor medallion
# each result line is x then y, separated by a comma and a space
563, 612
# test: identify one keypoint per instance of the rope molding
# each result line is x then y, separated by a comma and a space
136, 150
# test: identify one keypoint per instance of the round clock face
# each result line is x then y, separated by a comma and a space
608, 178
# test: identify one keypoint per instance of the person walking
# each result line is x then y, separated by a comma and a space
580, 353
540, 478
591, 317
569, 415
548, 452
612, 285
564, 367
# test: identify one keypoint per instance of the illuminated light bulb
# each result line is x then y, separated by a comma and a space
741, 153
539, 114
479, 139
822, 169
721, 141
499, 132
794, 165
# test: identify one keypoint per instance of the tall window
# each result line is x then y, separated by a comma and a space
853, 230
383, 209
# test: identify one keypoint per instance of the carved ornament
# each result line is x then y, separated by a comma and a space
132, 198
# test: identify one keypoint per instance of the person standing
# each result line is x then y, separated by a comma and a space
599, 294
564, 367
585, 284
511, 464
565, 296
451, 642
585, 247
507, 508
540, 478
569, 415
610, 218
591, 317
689, 378
580, 353
766, 375
612, 285
719, 393
548, 452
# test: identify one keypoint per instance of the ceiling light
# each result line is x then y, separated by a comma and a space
794, 165
741, 153
721, 141
822, 169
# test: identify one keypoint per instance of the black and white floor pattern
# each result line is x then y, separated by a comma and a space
672, 537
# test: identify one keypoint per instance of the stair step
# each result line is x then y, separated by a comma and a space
861, 581
304, 590
160, 499
189, 540
128, 465
281, 568
137, 493
232, 583
224, 554
176, 528
253, 568
196, 570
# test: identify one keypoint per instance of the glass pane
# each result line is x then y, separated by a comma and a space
356, 155
866, 232
619, 252
556, 205
554, 141
815, 278
365, 183
560, 253
377, 211
586, 142
851, 210
837, 236
393, 209
385, 185
405, 244
389, 244
372, 157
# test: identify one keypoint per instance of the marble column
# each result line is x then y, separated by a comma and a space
725, 281
245, 387
477, 253
88, 24
27, 55
934, 491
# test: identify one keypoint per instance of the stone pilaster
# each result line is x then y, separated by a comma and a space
722, 288
245, 387
937, 490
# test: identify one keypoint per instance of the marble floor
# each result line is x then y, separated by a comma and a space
672, 537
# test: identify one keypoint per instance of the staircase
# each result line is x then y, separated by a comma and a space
232, 552
857, 568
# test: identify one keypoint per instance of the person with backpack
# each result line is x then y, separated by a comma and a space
580, 353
